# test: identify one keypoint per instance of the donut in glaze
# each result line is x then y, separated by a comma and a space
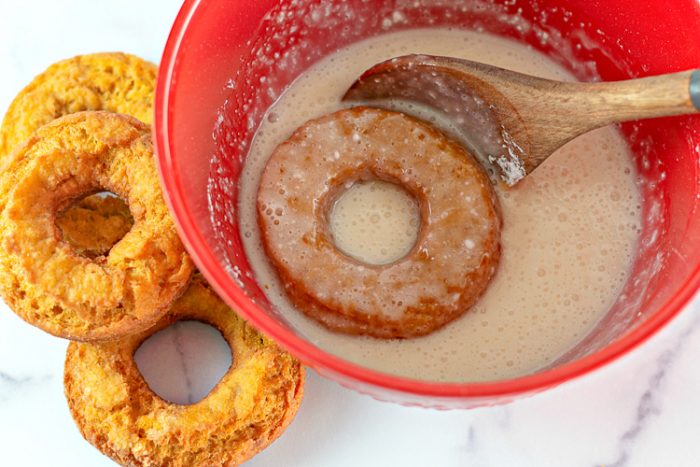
458, 246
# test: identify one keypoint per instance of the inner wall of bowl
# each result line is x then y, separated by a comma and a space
592, 39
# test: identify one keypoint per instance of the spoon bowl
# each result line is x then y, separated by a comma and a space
513, 121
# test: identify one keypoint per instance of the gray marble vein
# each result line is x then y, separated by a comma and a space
649, 404
10, 385
179, 348
471, 440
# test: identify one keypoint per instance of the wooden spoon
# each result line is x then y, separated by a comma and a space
513, 121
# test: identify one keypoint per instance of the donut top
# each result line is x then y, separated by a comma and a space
459, 216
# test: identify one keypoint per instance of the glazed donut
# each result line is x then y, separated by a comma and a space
249, 408
42, 278
113, 82
458, 246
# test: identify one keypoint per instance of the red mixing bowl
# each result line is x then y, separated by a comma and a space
226, 61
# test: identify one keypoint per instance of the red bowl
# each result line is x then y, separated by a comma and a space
210, 99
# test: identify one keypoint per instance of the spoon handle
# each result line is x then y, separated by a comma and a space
560, 111
654, 96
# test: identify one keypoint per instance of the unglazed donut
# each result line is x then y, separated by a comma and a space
458, 246
95, 224
114, 82
42, 278
249, 408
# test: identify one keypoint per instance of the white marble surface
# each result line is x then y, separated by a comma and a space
640, 411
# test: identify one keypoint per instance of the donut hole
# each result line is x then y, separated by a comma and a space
184, 362
374, 221
94, 223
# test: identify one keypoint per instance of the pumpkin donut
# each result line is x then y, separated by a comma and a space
458, 246
114, 82
45, 280
248, 409
94, 224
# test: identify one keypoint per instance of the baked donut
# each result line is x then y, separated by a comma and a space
42, 278
114, 82
249, 408
458, 246
94, 224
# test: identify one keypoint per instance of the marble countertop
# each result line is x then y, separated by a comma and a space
639, 411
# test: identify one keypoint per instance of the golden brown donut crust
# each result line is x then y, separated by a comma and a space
42, 278
114, 82
94, 224
249, 408
457, 250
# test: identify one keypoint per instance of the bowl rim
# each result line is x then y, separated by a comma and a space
317, 358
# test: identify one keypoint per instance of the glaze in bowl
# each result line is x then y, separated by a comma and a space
227, 61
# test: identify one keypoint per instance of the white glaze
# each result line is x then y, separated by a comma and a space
375, 222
